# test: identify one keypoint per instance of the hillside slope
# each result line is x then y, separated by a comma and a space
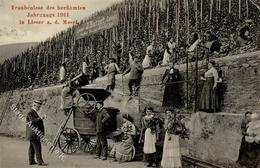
10, 50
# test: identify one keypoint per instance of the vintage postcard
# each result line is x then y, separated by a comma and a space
130, 83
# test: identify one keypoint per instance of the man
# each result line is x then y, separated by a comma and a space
212, 43
34, 130
102, 117
136, 71
112, 69
95, 72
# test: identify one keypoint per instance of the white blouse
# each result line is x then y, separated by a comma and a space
62, 73
212, 73
84, 67
171, 46
149, 49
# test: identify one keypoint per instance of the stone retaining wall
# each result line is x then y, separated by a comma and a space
214, 137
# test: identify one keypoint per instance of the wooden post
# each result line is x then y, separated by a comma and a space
258, 36
63, 52
239, 8
157, 20
167, 17
149, 19
211, 9
219, 5
229, 6
196, 12
187, 19
201, 9
128, 34
177, 21
38, 62
187, 56
196, 62
139, 15
47, 58
247, 9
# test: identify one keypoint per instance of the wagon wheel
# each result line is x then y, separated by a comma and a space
86, 103
69, 141
88, 144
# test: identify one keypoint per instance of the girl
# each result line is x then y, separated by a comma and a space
149, 125
171, 149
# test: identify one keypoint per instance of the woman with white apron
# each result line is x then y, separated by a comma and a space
168, 52
147, 59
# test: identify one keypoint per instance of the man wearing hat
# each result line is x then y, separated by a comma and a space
136, 71
35, 130
102, 117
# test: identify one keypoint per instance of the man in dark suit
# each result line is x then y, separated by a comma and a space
136, 71
102, 117
34, 132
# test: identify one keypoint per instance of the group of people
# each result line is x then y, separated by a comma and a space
160, 139
159, 151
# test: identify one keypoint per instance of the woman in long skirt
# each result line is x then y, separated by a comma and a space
171, 150
172, 91
149, 128
123, 150
247, 155
168, 52
209, 97
147, 63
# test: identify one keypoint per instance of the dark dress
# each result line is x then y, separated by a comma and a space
172, 92
209, 97
248, 152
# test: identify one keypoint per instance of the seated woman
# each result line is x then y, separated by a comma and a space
123, 149
128, 127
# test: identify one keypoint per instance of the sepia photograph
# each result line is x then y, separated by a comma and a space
130, 83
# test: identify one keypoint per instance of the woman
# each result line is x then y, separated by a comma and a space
131, 56
112, 69
249, 153
149, 53
246, 155
209, 99
63, 71
123, 149
149, 125
128, 127
168, 52
172, 91
171, 149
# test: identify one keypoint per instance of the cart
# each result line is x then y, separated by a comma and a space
69, 140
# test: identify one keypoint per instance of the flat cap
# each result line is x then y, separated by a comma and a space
38, 102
